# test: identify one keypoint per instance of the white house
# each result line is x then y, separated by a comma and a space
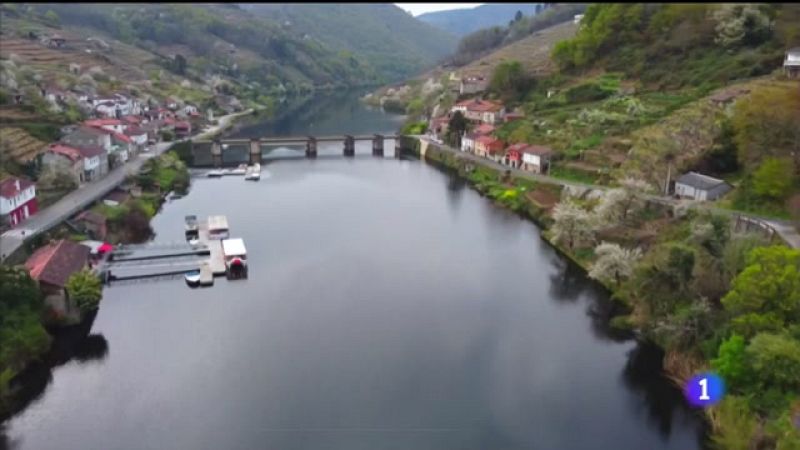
791, 64
95, 162
536, 158
17, 200
700, 187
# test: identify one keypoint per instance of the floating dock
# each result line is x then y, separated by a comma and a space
133, 262
206, 275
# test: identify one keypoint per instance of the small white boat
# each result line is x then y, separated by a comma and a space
241, 170
253, 172
192, 277
216, 173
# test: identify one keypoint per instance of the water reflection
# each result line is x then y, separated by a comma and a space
74, 343
663, 403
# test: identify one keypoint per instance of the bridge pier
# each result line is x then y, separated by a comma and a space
349, 145
311, 147
255, 151
377, 145
216, 153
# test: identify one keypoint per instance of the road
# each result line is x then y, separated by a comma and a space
785, 229
82, 197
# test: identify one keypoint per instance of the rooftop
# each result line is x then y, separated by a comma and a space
55, 262
699, 181
8, 186
70, 152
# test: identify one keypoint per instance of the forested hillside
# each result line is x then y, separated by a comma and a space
384, 36
219, 39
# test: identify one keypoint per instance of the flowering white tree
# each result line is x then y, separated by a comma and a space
614, 262
741, 23
617, 204
572, 223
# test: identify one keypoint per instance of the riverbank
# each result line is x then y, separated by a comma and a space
676, 292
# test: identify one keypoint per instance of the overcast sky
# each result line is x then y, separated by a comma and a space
419, 8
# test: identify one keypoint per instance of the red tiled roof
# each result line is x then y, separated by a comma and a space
72, 153
537, 150
90, 152
484, 129
518, 147
480, 105
183, 125
102, 122
132, 119
134, 130
54, 263
8, 187
117, 196
95, 130
121, 137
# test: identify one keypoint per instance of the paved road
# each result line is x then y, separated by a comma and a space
785, 230
80, 198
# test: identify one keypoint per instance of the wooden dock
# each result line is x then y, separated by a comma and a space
206, 275
216, 259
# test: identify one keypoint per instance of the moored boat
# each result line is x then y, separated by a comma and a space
192, 277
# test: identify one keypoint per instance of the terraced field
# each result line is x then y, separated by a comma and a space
19, 145
533, 52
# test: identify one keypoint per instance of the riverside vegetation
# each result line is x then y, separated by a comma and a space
23, 337
628, 107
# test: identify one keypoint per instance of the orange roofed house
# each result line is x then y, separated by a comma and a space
481, 110
51, 266
489, 147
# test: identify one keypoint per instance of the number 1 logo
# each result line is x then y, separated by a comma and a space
704, 389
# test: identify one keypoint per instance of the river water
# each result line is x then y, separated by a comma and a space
388, 306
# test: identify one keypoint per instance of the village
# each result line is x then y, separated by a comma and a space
483, 116
104, 152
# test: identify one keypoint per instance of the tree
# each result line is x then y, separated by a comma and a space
732, 362
736, 424
617, 204
766, 294
518, 16
85, 289
614, 262
776, 360
509, 79
773, 179
22, 336
51, 17
456, 128
680, 265
712, 233
179, 64
572, 224
766, 125
741, 24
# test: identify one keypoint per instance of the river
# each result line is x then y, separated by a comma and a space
388, 306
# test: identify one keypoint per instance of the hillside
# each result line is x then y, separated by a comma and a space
215, 39
532, 51
384, 36
467, 20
